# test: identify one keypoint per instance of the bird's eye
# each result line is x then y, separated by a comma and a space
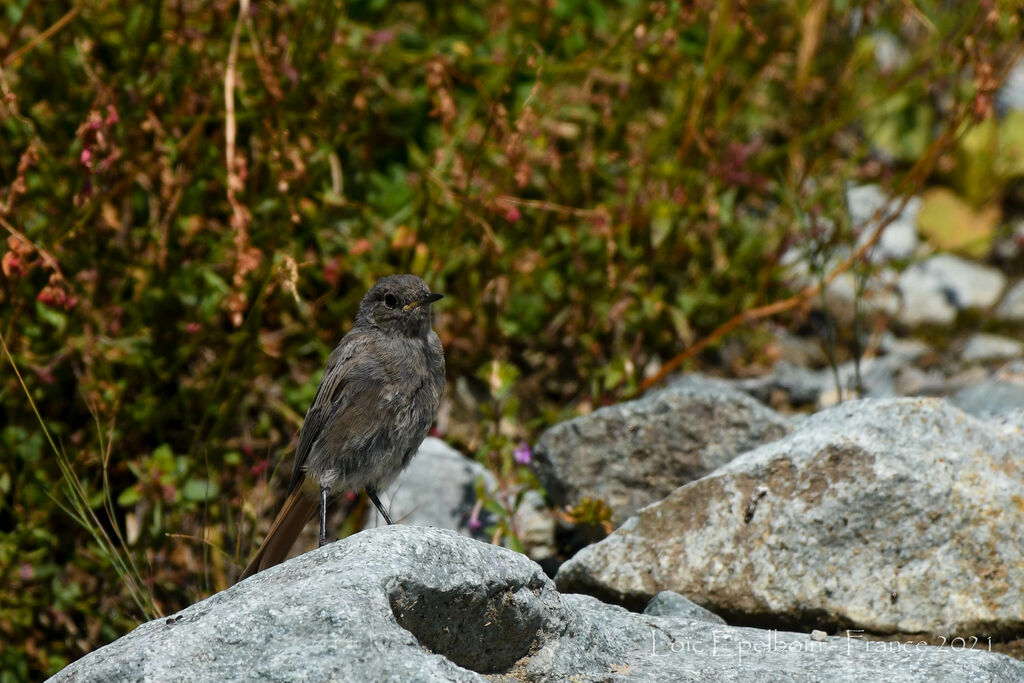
391, 301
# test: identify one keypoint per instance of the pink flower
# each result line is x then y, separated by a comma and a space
332, 271
513, 215
474, 518
522, 454
86, 158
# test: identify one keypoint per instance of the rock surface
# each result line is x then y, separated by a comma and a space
889, 515
899, 239
1000, 394
635, 453
846, 298
981, 347
672, 604
418, 604
935, 290
437, 489
879, 377
1011, 308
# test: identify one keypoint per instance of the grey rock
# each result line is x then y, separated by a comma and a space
536, 527
1011, 308
1011, 94
924, 299
437, 489
801, 385
1011, 246
913, 381
899, 239
935, 290
636, 452
873, 498
981, 347
999, 395
876, 297
879, 377
799, 351
418, 604
374, 606
908, 349
1012, 418
672, 604
968, 376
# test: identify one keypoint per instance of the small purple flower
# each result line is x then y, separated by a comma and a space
474, 518
522, 454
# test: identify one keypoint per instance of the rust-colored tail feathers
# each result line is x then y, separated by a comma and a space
298, 509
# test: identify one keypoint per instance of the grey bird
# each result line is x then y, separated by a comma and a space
376, 401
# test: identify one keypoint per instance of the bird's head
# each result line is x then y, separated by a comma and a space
399, 304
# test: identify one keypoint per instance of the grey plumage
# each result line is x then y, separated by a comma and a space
377, 399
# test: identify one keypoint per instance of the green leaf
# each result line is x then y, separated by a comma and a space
662, 220
951, 224
199, 490
128, 497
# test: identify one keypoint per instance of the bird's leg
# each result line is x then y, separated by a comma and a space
380, 508
323, 516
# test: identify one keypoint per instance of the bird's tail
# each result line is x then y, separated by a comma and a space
298, 509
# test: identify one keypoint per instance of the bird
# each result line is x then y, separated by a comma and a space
377, 399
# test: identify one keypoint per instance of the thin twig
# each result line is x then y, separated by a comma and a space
230, 126
42, 37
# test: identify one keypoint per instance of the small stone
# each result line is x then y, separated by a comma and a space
1011, 308
899, 239
1011, 94
672, 604
923, 299
989, 347
969, 284
819, 636
909, 350
934, 290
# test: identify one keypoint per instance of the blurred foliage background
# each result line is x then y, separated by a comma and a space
195, 195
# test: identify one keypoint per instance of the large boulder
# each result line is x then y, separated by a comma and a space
635, 453
888, 515
418, 604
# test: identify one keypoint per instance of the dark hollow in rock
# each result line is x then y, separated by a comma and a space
485, 632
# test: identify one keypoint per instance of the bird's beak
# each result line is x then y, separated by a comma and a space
429, 299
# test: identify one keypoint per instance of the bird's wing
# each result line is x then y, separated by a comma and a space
322, 407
